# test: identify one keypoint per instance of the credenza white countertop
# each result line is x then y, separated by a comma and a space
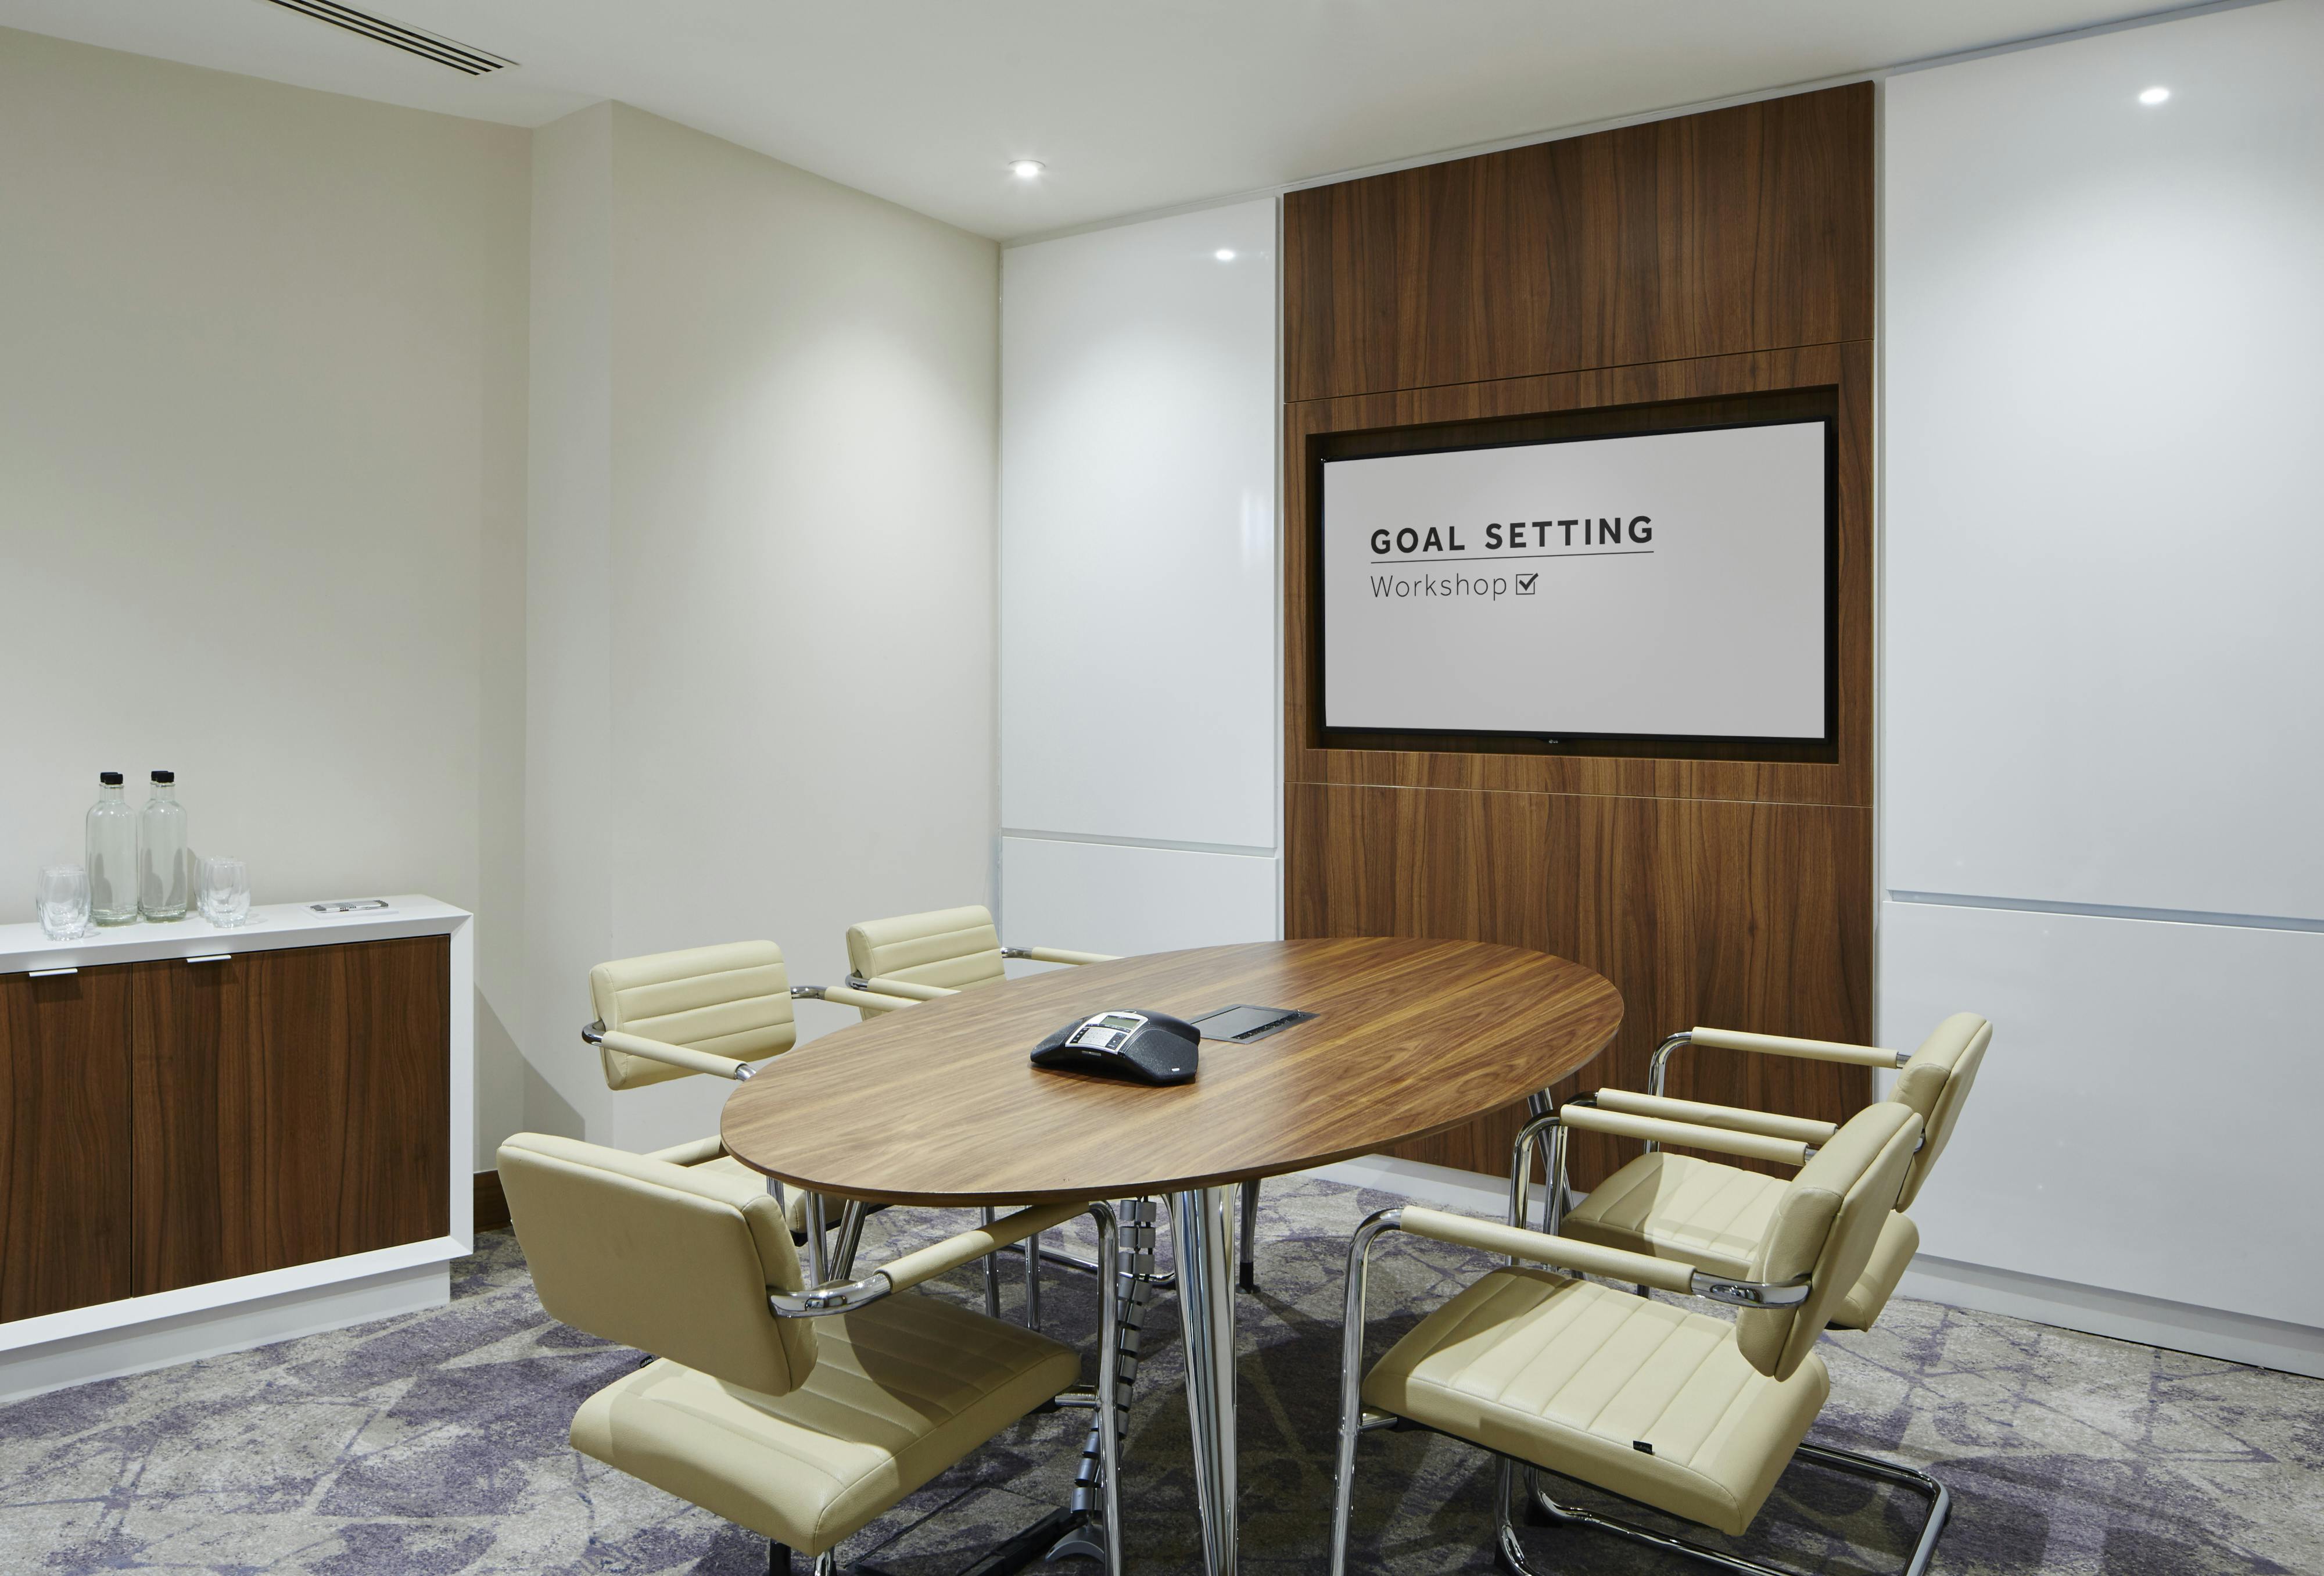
25, 948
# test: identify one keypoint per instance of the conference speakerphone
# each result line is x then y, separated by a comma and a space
1143, 1047
1106, 1032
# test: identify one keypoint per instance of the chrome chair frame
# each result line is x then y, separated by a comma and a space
1658, 1066
1355, 1420
595, 1033
1559, 1192
1096, 1517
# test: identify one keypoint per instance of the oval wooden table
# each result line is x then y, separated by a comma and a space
937, 1104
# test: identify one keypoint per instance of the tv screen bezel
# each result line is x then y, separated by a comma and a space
1645, 421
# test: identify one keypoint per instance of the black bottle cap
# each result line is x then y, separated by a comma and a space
165, 777
109, 778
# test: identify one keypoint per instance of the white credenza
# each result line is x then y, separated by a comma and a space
212, 1138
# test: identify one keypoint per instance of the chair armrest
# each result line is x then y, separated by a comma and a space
1665, 1275
1766, 1124
1777, 1044
978, 1242
922, 1264
693, 1061
903, 988
1768, 1044
849, 996
1056, 954
699, 1152
1655, 1130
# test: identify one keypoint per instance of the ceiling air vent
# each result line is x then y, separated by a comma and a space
428, 46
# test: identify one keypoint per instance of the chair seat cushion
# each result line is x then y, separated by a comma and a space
899, 1391
1675, 1206
1713, 1216
1574, 1375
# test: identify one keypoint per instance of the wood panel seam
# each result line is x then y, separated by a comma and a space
1431, 787
1564, 372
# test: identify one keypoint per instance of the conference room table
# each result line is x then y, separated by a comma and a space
938, 1105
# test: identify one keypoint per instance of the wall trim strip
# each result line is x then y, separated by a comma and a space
1241, 850
2110, 911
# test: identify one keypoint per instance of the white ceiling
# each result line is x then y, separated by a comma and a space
1133, 107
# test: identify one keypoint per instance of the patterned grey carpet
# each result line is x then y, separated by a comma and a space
435, 1444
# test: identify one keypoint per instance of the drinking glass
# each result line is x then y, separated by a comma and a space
224, 891
61, 895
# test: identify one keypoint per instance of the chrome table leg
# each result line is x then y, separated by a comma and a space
1096, 1502
991, 1275
1202, 1233
1540, 1104
1033, 1282
1247, 1239
851, 1237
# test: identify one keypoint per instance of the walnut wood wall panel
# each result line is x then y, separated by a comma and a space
291, 1106
64, 1140
1700, 911
1741, 229
1710, 258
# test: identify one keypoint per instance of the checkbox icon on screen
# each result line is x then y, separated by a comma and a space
1525, 583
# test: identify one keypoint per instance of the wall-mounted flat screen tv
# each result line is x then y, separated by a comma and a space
1664, 584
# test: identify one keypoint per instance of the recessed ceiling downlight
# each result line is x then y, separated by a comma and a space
1027, 169
2155, 95
1225, 254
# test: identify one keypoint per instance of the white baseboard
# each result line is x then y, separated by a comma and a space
106, 1354
2243, 1338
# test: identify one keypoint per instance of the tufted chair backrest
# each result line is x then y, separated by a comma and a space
1936, 1082
674, 1260
1825, 1227
732, 1000
953, 948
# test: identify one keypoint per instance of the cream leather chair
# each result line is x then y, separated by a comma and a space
801, 1412
1685, 1413
708, 1011
925, 957
1711, 1215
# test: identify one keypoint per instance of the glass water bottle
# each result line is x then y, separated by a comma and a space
161, 880
112, 854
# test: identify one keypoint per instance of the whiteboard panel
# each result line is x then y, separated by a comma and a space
2102, 470
2144, 1120
1101, 896
1138, 606
1450, 602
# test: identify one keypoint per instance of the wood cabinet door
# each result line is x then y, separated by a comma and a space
291, 1106
64, 1140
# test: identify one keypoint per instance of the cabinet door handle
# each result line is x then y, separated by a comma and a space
212, 957
50, 973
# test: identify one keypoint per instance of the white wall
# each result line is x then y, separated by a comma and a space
763, 668
2103, 724
1140, 793
262, 481
568, 799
